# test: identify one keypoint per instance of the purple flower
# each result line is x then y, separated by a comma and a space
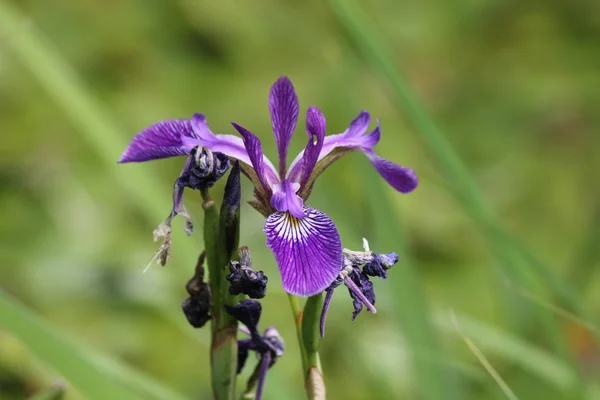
268, 346
304, 240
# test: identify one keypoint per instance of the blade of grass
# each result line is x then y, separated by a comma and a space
94, 124
59, 353
587, 257
56, 392
411, 307
483, 360
94, 375
146, 386
512, 348
462, 184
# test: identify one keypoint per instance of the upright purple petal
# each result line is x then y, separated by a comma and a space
285, 198
200, 127
400, 178
359, 126
168, 138
352, 138
308, 251
283, 106
315, 129
255, 153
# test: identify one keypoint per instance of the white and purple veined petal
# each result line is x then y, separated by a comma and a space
177, 137
308, 250
283, 106
161, 140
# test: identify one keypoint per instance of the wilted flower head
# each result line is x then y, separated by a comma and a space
357, 281
268, 346
197, 306
304, 240
244, 280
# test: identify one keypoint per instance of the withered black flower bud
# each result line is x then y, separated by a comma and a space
380, 264
196, 313
244, 279
357, 280
205, 168
268, 346
197, 306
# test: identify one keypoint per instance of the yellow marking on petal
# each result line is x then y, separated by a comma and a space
295, 222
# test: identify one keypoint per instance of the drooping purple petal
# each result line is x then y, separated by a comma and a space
178, 188
361, 291
285, 198
400, 178
161, 140
315, 129
308, 251
326, 304
265, 363
283, 106
255, 154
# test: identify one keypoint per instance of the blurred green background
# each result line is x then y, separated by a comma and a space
507, 238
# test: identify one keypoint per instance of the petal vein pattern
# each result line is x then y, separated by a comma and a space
161, 140
308, 251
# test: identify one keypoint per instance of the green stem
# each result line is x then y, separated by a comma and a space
311, 341
311, 335
297, 313
223, 349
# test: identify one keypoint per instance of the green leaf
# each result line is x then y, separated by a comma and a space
56, 392
507, 249
464, 186
512, 348
93, 375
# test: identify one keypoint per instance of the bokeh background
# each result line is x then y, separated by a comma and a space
502, 233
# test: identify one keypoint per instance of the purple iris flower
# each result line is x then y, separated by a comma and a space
304, 240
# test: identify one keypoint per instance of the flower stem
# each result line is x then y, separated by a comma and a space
311, 341
223, 351
297, 313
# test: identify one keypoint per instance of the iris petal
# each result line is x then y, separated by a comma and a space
283, 106
161, 140
308, 251
264, 169
285, 199
315, 129
401, 178
359, 125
